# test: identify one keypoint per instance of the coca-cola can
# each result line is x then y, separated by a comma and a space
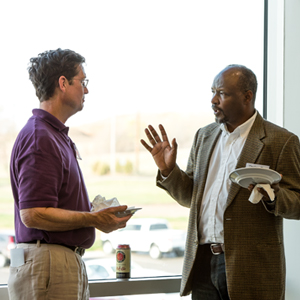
123, 261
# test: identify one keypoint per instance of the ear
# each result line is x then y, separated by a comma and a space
248, 97
62, 83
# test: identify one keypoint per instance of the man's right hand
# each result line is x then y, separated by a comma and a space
162, 152
107, 221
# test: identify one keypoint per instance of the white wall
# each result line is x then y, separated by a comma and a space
284, 106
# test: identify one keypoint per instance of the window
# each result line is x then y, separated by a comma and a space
131, 227
158, 227
148, 62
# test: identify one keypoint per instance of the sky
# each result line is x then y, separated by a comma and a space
141, 56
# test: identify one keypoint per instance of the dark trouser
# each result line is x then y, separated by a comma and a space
209, 281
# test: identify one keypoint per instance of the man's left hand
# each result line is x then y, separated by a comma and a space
275, 187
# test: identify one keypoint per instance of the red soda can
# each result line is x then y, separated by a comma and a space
123, 261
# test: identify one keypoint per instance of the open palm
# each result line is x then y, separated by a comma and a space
163, 153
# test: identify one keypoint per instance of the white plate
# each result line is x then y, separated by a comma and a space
246, 176
128, 211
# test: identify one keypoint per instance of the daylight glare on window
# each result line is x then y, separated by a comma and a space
148, 62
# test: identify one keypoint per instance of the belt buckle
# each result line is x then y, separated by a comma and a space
212, 249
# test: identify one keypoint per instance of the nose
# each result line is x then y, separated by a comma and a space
215, 99
86, 91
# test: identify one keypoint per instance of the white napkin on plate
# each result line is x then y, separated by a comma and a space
256, 196
100, 202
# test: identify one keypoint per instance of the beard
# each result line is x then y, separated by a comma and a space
221, 119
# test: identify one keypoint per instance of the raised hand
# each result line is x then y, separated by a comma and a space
163, 153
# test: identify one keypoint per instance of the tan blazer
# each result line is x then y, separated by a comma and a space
253, 236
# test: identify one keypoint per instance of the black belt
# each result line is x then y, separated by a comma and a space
214, 248
217, 249
78, 250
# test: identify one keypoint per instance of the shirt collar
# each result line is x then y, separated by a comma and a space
241, 130
50, 119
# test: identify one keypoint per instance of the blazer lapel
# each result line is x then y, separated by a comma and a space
251, 150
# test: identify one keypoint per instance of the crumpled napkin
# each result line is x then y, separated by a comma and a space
100, 202
256, 196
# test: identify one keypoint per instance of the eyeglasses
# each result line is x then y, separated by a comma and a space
83, 82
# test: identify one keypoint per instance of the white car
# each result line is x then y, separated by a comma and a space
7, 242
151, 235
105, 268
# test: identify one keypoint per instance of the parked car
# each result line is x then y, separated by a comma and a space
105, 268
151, 235
7, 242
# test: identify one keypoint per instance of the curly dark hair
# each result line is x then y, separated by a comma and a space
45, 70
247, 80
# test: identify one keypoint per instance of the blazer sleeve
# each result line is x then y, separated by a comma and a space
179, 184
288, 198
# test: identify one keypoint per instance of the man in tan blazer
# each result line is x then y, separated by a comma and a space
234, 248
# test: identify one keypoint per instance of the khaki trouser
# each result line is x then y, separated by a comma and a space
50, 272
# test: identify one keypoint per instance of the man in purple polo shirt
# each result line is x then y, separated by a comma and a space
53, 219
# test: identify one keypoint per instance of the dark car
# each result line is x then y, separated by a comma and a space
7, 242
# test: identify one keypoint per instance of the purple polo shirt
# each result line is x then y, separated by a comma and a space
45, 173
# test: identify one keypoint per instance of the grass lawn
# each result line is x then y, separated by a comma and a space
130, 190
